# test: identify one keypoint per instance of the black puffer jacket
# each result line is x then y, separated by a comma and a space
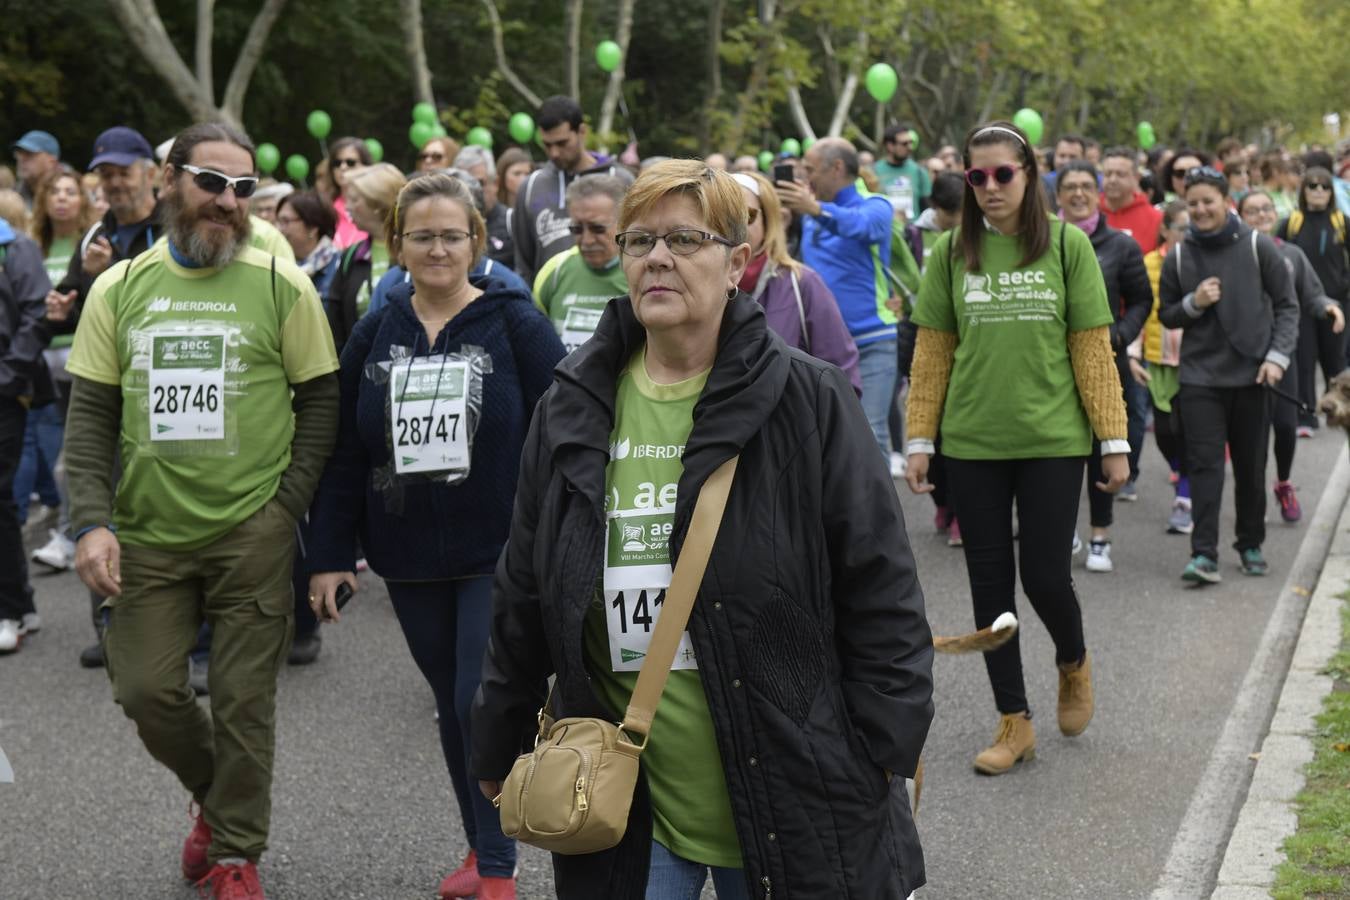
810, 632
1127, 286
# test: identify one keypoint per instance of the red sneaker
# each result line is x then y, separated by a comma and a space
954, 533
942, 518
232, 881
1290, 511
195, 865
464, 881
497, 889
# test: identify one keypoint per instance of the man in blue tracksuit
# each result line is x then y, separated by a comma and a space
846, 237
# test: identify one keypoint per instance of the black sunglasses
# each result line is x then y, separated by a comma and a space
347, 163
214, 182
978, 178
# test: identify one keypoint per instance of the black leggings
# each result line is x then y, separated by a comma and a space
1317, 344
1047, 492
1171, 437
1284, 417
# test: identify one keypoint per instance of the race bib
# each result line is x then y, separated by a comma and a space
901, 194
427, 406
637, 574
187, 386
579, 326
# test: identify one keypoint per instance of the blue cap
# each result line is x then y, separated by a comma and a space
38, 142
120, 146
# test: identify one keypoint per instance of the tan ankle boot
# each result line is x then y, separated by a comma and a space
1075, 696
1015, 740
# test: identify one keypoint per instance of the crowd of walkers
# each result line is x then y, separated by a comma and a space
502, 387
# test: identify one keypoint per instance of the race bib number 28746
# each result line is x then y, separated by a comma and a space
187, 387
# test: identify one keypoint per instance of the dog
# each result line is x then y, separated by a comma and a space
1335, 403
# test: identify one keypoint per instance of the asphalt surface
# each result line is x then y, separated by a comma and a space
362, 806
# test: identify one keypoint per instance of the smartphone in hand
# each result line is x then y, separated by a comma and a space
784, 172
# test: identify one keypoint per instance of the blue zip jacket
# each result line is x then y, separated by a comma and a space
849, 245
441, 531
486, 266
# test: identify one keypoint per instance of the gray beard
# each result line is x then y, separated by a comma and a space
205, 252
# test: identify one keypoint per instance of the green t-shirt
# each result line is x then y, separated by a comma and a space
691, 813
573, 295
1012, 393
57, 262
205, 359
269, 239
904, 185
379, 264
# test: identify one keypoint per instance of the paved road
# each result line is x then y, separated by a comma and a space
362, 806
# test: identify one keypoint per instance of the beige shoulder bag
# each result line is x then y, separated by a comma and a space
571, 794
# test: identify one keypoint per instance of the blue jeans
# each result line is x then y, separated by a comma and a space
1138, 402
446, 625
42, 438
673, 877
877, 368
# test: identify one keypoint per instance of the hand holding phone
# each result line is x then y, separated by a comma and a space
784, 172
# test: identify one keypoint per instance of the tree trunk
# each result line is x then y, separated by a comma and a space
849, 89
799, 116
768, 12
410, 15
574, 49
502, 65
713, 90
205, 32
615, 87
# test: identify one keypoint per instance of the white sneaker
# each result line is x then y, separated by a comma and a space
897, 465
1099, 557
9, 635
1077, 544
30, 624
58, 552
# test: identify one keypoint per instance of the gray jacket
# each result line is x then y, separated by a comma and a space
539, 224
24, 332
1256, 320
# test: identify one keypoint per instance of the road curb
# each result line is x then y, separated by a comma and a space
1229, 841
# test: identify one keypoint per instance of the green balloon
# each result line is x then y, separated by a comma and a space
269, 157
424, 112
438, 130
881, 82
480, 137
913, 141
1031, 124
419, 133
376, 149
297, 167
521, 128
808, 144
765, 160
608, 55
319, 124
1146, 136
791, 146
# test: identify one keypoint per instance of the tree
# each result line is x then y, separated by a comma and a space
410, 17
614, 90
195, 89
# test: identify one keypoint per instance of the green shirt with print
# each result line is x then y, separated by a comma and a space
57, 262
691, 813
573, 295
1012, 393
906, 185
209, 351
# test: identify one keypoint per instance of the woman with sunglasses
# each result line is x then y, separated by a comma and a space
1174, 172
1320, 313
426, 480
1013, 361
1318, 228
345, 156
1228, 287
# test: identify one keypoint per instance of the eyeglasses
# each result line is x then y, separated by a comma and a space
287, 220
1077, 188
978, 178
431, 157
596, 228
1318, 186
1179, 172
1253, 210
214, 182
346, 162
426, 240
681, 241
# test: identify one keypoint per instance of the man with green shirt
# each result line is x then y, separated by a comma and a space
213, 362
904, 182
573, 287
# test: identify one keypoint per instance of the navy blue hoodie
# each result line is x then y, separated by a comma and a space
442, 531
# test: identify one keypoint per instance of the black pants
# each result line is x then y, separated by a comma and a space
1316, 344
1171, 436
16, 597
1239, 417
1284, 416
1047, 492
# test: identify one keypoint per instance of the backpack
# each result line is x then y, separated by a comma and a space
1295, 223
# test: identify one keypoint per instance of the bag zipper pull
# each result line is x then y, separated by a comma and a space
582, 805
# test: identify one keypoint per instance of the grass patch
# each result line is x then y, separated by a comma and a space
1318, 854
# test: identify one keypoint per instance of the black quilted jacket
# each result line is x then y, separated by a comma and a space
812, 642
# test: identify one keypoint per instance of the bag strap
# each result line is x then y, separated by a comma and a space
801, 311
679, 602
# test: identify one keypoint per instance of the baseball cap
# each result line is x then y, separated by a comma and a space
120, 146
38, 142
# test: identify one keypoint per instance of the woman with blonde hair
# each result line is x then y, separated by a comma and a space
797, 303
371, 194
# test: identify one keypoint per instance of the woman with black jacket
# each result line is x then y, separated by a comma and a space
1228, 287
771, 754
1317, 228
1131, 299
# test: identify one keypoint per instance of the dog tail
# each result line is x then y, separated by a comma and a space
982, 641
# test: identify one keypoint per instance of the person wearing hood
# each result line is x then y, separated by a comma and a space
437, 387
1131, 300
541, 226
1318, 228
1124, 205
808, 678
1228, 287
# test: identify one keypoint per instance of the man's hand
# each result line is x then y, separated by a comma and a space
1269, 373
98, 560
1139, 372
895, 305
797, 198
916, 473
1337, 318
97, 257
59, 305
491, 789
323, 593
1208, 292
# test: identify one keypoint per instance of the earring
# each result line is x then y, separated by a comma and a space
732, 292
